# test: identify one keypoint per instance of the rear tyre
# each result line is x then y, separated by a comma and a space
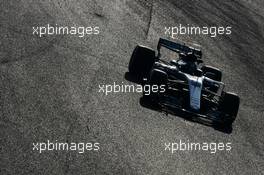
230, 106
141, 61
212, 73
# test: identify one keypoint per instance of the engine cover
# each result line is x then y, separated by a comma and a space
195, 88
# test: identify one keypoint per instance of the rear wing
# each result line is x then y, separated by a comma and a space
179, 48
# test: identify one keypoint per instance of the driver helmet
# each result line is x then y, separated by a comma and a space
191, 57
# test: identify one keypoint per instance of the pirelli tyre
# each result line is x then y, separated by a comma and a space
230, 106
212, 73
141, 61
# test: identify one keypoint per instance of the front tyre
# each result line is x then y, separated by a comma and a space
230, 106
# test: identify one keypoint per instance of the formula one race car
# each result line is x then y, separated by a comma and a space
190, 86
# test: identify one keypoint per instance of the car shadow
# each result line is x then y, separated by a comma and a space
144, 102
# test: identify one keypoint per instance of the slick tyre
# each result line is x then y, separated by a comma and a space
230, 106
141, 61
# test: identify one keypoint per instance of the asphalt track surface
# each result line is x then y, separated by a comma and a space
49, 87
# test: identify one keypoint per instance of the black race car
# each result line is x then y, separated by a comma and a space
187, 84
